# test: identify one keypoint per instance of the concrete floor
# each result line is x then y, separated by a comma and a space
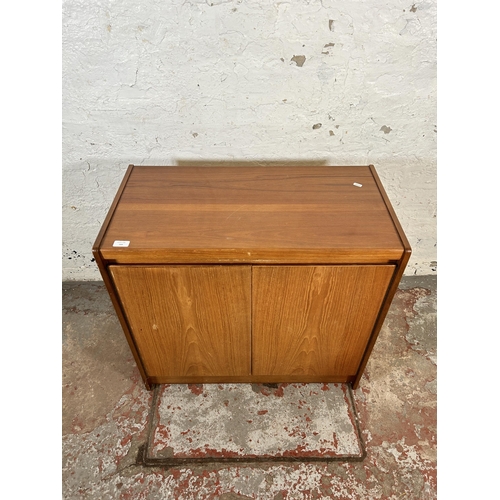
105, 416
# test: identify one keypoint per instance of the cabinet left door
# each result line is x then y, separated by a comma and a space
189, 323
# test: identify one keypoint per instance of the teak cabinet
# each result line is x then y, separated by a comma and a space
251, 274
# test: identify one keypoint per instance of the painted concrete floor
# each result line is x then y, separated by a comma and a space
252, 422
105, 416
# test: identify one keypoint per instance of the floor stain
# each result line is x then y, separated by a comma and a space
106, 412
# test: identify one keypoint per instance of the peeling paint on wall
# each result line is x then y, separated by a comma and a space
299, 60
247, 81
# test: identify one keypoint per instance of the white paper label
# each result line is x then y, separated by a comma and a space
120, 243
357, 184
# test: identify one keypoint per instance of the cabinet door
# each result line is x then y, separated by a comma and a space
314, 321
188, 321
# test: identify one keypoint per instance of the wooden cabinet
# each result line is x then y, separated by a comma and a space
251, 274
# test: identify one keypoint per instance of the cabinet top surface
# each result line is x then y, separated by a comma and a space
251, 214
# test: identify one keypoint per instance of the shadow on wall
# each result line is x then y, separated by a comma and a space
186, 162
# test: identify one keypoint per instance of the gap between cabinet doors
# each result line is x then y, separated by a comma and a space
305, 322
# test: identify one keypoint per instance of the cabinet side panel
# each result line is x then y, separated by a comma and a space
383, 312
188, 321
314, 321
111, 211
121, 317
392, 213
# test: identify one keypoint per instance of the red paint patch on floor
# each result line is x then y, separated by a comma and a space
250, 421
396, 404
196, 388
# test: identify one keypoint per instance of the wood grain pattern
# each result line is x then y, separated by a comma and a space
314, 320
314, 264
188, 321
251, 215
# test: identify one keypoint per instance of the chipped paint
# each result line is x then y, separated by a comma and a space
245, 420
396, 404
161, 82
299, 60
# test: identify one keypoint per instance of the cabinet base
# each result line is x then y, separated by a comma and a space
252, 379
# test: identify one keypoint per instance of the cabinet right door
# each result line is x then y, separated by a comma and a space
314, 320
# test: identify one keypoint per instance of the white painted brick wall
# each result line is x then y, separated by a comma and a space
154, 82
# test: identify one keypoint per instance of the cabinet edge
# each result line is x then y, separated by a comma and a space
108, 282
384, 309
111, 211
392, 213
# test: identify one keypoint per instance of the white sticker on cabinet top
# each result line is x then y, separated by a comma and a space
121, 243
